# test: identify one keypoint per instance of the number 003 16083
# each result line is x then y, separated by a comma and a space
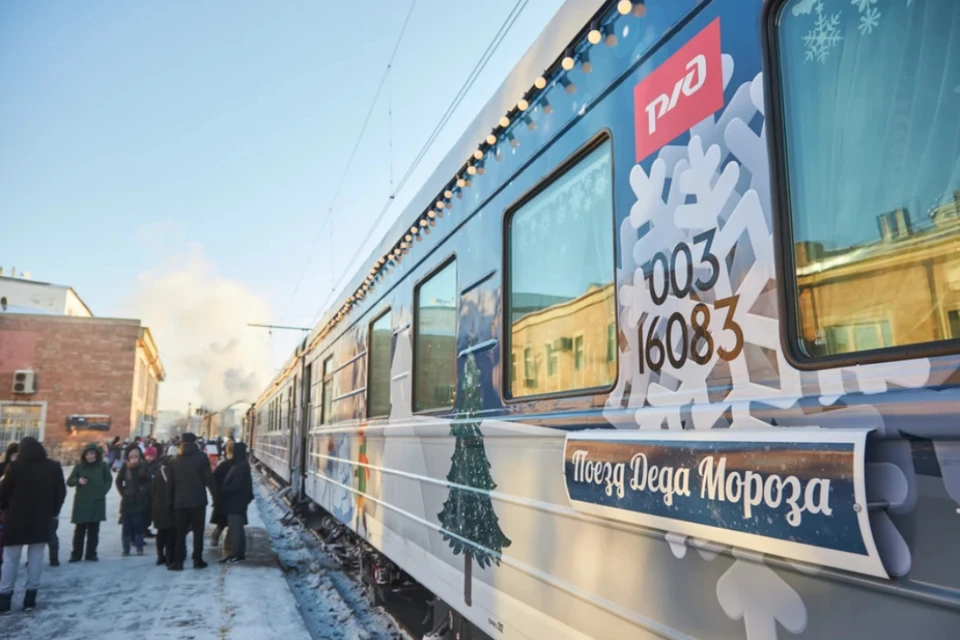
688, 339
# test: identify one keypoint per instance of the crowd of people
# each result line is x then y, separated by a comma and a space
160, 484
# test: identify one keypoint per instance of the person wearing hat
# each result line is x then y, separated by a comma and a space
153, 468
190, 480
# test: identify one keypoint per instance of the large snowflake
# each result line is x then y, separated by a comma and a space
824, 36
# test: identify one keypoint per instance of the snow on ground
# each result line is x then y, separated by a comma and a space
133, 598
333, 604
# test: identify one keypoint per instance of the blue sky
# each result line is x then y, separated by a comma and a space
200, 143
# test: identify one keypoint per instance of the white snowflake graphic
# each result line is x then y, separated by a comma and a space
862, 4
824, 36
869, 20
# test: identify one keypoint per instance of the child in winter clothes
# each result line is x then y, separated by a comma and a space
92, 479
162, 514
133, 483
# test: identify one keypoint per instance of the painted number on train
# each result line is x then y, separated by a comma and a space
681, 92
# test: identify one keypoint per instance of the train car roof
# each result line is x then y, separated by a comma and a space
572, 17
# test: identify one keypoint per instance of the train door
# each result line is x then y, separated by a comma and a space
298, 455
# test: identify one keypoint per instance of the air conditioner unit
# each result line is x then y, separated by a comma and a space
24, 381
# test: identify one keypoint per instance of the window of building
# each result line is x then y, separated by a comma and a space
326, 394
560, 279
378, 374
872, 162
552, 360
953, 319
18, 421
611, 342
578, 353
435, 340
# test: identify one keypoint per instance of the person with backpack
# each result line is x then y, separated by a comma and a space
237, 494
31, 492
93, 479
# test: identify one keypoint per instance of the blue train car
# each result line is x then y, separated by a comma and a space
668, 344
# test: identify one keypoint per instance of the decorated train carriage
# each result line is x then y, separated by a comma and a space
667, 345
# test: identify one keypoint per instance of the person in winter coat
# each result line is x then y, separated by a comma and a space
187, 490
92, 479
8, 456
153, 468
162, 514
32, 492
237, 494
114, 453
217, 517
133, 484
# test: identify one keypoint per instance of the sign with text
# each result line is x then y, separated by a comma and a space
679, 93
796, 493
88, 422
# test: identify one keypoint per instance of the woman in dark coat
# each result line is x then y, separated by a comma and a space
31, 492
162, 514
133, 483
217, 516
237, 494
8, 456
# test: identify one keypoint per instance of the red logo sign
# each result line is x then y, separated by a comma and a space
681, 92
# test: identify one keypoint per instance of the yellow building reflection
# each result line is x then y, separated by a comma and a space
567, 345
899, 290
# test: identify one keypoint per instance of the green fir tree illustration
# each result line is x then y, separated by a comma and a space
468, 515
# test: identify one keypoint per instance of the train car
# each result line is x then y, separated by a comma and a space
667, 346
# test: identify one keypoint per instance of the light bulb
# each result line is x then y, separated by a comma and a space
639, 10
461, 182
491, 139
611, 38
439, 204
471, 169
448, 194
513, 141
478, 155
430, 214
624, 7
529, 122
423, 223
568, 86
504, 122
567, 63
522, 105
540, 83
480, 170
408, 237
585, 65
594, 36
413, 229
546, 106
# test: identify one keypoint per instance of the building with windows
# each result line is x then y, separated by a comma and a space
23, 295
72, 380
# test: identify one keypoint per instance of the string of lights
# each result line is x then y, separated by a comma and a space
461, 94
558, 73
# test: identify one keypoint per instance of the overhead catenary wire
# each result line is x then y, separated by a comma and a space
353, 153
451, 109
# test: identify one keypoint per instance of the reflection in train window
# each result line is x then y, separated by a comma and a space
561, 280
378, 373
873, 160
435, 339
327, 393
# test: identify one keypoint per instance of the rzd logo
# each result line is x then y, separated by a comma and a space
681, 92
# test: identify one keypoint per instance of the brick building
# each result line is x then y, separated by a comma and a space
72, 380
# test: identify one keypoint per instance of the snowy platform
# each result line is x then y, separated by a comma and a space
130, 597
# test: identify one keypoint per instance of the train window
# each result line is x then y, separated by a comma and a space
435, 341
561, 278
378, 372
869, 100
326, 393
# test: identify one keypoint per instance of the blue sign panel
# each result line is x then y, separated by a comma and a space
797, 493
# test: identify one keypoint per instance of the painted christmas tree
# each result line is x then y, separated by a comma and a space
468, 515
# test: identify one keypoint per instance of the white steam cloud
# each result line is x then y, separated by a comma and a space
198, 319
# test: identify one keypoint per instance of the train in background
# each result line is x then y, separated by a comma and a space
667, 346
